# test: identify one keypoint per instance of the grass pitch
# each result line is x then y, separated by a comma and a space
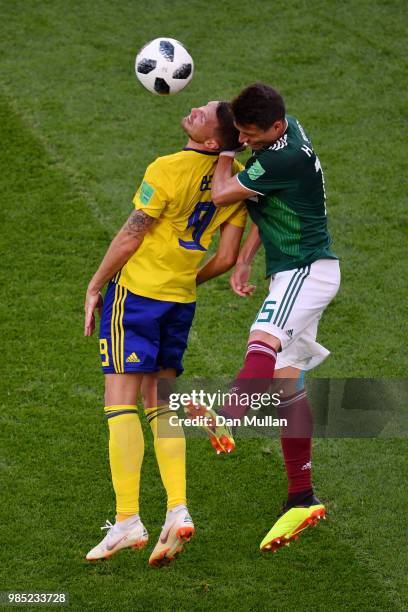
76, 134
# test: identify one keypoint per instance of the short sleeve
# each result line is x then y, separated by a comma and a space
238, 216
237, 166
154, 192
269, 171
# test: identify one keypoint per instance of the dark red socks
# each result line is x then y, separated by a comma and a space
296, 439
296, 442
254, 377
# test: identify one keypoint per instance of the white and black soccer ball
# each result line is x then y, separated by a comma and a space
164, 66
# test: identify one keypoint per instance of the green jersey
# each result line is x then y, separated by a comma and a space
290, 210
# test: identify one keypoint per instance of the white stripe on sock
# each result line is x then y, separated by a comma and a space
259, 348
298, 396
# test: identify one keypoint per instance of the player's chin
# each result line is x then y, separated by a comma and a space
184, 123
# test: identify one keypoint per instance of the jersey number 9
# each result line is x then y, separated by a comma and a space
199, 222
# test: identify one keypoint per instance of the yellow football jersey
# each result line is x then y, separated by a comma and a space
176, 190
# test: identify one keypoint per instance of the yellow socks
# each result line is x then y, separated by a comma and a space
170, 447
126, 449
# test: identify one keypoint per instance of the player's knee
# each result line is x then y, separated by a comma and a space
288, 380
269, 339
122, 389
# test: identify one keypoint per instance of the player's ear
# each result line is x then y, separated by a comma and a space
279, 124
212, 144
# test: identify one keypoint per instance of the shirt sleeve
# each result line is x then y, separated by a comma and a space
237, 166
269, 171
238, 215
155, 191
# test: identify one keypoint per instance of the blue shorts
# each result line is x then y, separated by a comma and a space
139, 334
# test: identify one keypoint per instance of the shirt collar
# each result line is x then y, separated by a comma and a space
199, 151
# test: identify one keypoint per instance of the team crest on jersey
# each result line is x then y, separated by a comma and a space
146, 192
280, 144
255, 171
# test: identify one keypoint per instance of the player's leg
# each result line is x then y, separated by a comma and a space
126, 442
170, 449
302, 353
296, 300
255, 376
300, 321
169, 440
257, 371
296, 437
126, 448
121, 335
302, 507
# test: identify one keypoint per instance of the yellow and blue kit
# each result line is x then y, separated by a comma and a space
149, 305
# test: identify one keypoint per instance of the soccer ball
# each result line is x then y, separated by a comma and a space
164, 66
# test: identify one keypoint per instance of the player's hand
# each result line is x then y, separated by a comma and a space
233, 152
93, 301
239, 280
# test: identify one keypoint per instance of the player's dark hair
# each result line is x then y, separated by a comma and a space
226, 132
259, 105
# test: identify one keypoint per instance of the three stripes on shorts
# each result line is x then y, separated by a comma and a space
290, 296
117, 331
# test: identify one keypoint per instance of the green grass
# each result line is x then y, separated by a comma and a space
76, 134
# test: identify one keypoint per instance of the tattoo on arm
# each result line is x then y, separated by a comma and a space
138, 224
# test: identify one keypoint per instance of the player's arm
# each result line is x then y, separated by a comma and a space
226, 189
239, 280
226, 254
122, 247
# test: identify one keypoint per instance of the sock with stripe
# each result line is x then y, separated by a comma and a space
126, 449
296, 441
170, 448
254, 377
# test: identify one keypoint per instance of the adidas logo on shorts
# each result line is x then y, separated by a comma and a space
289, 332
133, 358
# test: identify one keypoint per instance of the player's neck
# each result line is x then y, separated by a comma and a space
282, 130
198, 146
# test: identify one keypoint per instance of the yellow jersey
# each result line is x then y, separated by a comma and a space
176, 190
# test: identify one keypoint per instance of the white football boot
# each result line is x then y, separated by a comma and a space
177, 530
132, 534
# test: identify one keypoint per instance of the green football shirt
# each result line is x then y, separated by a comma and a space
290, 210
